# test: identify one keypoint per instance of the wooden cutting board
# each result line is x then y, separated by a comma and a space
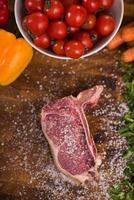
27, 170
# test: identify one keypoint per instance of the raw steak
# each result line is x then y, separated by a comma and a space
66, 129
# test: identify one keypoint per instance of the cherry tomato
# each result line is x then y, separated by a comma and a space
68, 3
36, 23
4, 15
34, 5
54, 9
57, 30
42, 41
58, 47
71, 29
105, 24
74, 49
90, 22
91, 5
84, 38
106, 4
76, 15
2, 3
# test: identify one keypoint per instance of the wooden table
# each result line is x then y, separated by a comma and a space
27, 170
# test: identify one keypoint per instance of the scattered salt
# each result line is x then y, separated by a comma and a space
30, 151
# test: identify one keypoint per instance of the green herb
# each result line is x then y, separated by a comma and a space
124, 190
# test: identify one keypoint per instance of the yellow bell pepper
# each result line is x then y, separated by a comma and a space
15, 55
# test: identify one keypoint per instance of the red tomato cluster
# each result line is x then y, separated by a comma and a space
4, 13
68, 27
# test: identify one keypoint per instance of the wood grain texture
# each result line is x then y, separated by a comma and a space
27, 171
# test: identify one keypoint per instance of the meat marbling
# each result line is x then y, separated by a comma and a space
65, 127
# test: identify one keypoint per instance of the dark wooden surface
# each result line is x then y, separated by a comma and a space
27, 170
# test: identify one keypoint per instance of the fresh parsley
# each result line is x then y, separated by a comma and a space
124, 190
